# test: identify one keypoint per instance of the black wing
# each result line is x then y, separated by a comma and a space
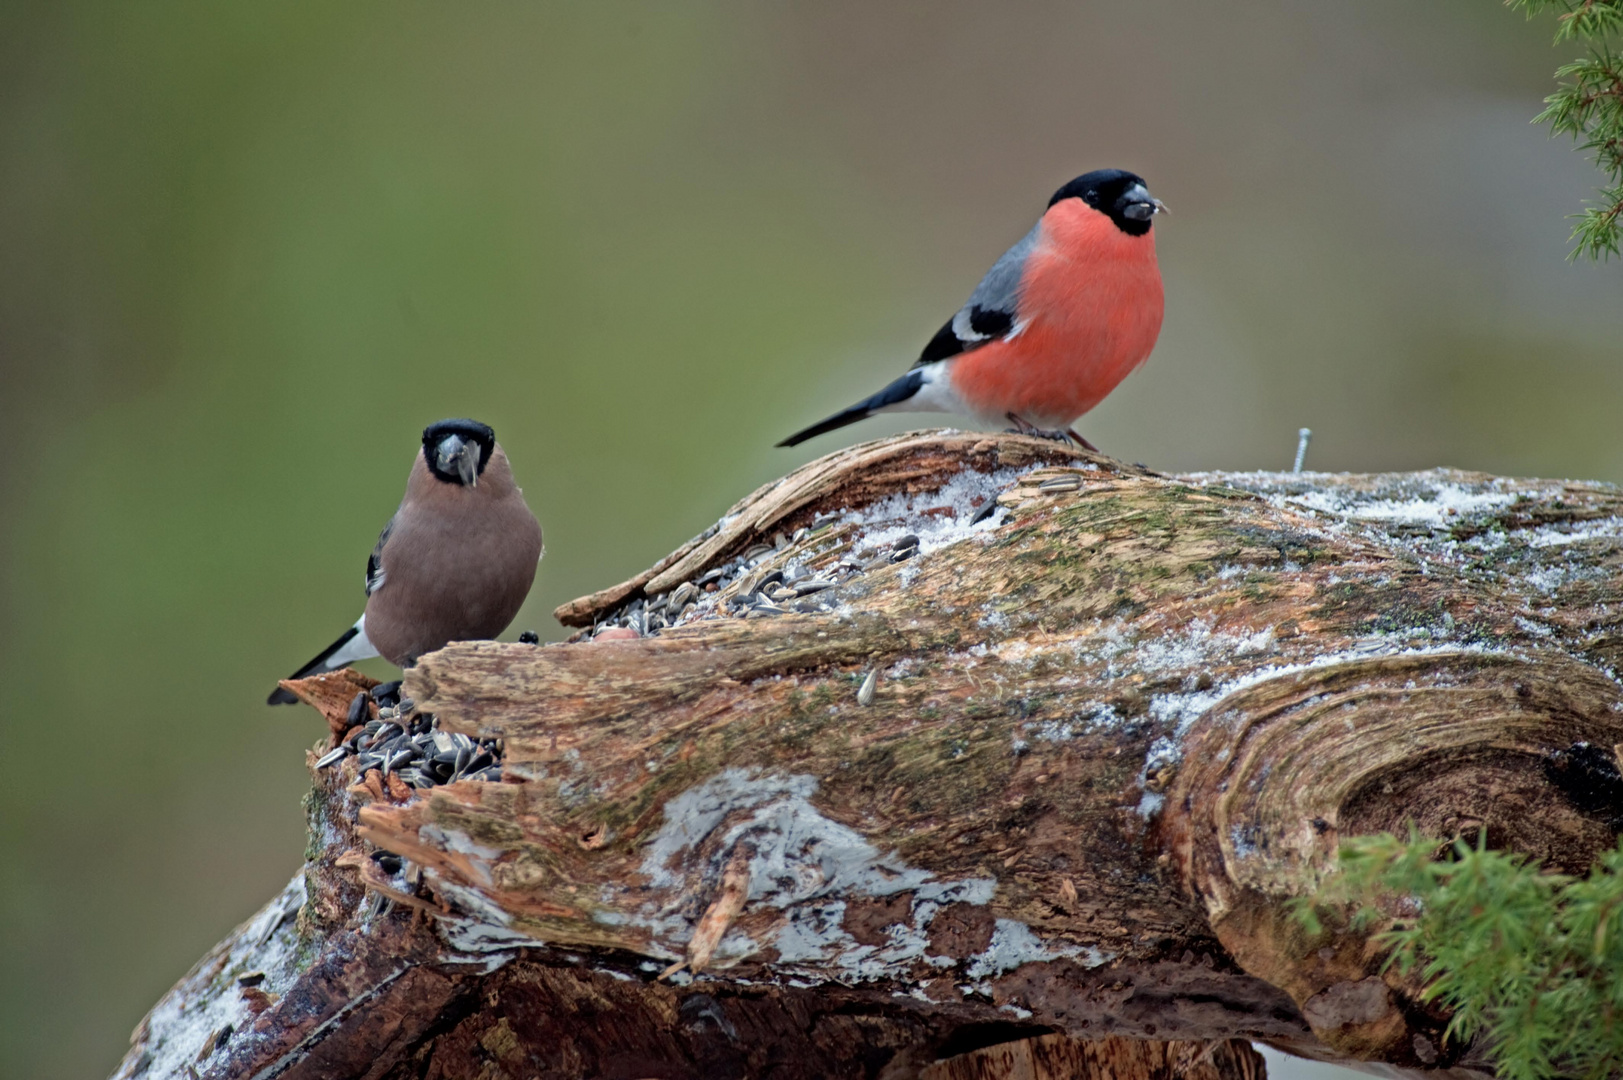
374, 561
991, 310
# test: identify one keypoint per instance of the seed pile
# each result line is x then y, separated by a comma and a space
801, 573
791, 574
409, 744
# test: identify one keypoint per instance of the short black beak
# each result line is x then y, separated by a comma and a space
1137, 204
463, 456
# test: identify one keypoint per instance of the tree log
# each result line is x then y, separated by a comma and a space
1055, 776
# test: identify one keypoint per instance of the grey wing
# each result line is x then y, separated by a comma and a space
374, 561
990, 312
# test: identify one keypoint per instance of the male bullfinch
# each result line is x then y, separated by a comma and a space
1059, 320
454, 563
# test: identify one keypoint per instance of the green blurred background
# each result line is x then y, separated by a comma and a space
248, 251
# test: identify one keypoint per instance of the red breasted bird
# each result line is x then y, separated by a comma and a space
454, 563
1062, 318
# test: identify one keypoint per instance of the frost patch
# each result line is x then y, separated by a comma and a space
474, 937
1183, 709
938, 518
1607, 529
1014, 945
803, 864
694, 814
201, 1005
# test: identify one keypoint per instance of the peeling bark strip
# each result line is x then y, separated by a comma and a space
1117, 726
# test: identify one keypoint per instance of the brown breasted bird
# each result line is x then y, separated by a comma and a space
454, 563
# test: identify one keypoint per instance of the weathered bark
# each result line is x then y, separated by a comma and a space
1109, 738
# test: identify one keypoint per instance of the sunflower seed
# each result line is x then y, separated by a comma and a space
984, 512
757, 552
358, 709
333, 757
386, 693
865, 692
366, 762
779, 593
1060, 483
800, 534
406, 707
444, 743
683, 595
904, 542
807, 586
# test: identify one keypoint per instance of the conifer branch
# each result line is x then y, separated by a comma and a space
1589, 107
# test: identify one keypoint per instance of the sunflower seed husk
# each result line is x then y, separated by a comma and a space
1060, 483
807, 586
865, 692
333, 757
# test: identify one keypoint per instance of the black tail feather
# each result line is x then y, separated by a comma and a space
894, 394
316, 666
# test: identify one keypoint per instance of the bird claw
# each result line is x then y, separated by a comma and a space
1064, 435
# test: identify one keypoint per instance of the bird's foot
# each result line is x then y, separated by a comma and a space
1080, 441
1025, 427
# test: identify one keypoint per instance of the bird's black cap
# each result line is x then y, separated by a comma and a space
1103, 189
469, 431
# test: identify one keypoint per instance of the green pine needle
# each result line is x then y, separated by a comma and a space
1530, 962
1589, 107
